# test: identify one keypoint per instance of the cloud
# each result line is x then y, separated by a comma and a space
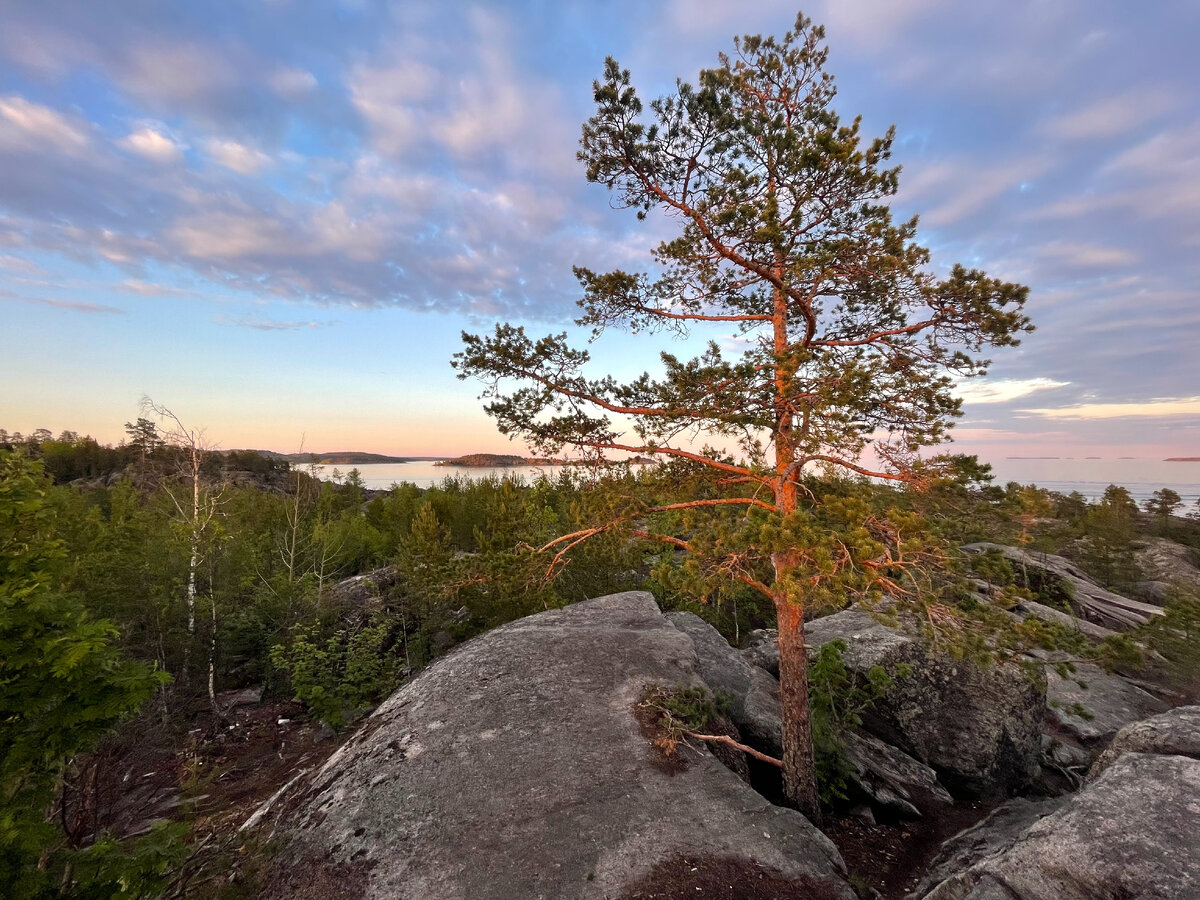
1171, 406
271, 324
959, 188
153, 145
1001, 390
73, 305
150, 289
32, 127
1086, 256
238, 157
292, 83
1111, 116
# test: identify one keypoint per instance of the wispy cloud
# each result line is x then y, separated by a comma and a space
1171, 406
272, 324
1002, 390
72, 305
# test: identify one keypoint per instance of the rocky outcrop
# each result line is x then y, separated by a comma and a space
979, 727
1132, 833
1090, 705
1166, 562
514, 767
754, 694
1089, 599
1175, 732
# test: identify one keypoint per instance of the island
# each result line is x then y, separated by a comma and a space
1182, 459
497, 460
341, 458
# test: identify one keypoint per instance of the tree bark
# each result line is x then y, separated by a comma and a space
799, 764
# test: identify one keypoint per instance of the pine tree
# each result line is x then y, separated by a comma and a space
784, 239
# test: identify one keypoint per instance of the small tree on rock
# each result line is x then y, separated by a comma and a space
784, 239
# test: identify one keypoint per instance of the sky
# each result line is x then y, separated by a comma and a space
276, 217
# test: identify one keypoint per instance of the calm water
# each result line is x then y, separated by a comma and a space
1141, 477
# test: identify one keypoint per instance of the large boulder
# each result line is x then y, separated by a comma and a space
514, 767
1132, 833
753, 693
978, 726
1175, 732
1090, 705
889, 779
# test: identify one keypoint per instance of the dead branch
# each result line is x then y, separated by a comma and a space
725, 739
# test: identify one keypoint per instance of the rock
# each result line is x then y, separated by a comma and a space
1166, 561
1156, 592
1175, 732
1090, 600
761, 649
755, 694
514, 767
1132, 833
1094, 711
978, 727
1065, 755
892, 780
996, 833
888, 778
364, 592
1049, 614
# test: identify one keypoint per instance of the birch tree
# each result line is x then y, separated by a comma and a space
852, 344
196, 506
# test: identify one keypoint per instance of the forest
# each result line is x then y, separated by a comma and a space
145, 587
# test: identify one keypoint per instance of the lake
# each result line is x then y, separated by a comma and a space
1141, 477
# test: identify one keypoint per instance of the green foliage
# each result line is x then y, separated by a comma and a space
340, 677
63, 683
1176, 636
838, 699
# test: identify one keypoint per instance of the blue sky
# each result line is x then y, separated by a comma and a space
275, 216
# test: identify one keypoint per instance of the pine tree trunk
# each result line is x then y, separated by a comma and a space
799, 764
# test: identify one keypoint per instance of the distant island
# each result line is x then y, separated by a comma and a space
504, 460
340, 458
497, 460
1182, 459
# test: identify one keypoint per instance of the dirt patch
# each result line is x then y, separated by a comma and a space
318, 879
892, 858
723, 878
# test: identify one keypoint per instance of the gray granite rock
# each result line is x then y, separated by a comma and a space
1175, 732
1089, 599
514, 767
892, 780
1132, 833
978, 726
1090, 705
761, 649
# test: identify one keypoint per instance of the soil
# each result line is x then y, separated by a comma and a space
892, 858
722, 878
